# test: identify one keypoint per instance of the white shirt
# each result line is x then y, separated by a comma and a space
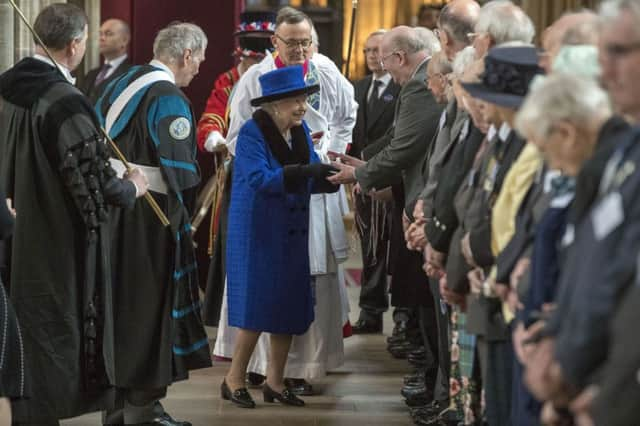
115, 63
156, 63
384, 82
65, 71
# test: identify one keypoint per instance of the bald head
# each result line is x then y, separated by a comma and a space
457, 19
571, 28
114, 38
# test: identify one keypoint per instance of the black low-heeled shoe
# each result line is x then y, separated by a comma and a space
240, 397
286, 397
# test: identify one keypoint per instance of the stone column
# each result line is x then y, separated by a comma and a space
92, 57
6, 36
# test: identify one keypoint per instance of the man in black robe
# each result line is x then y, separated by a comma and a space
55, 169
159, 334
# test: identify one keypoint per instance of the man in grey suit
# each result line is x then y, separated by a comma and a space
405, 54
377, 94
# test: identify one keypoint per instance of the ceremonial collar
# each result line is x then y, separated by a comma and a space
65, 71
156, 63
280, 64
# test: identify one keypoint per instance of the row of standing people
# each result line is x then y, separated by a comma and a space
513, 200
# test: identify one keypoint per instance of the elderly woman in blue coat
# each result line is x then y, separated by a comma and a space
268, 280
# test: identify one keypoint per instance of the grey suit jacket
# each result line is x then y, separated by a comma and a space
444, 141
415, 122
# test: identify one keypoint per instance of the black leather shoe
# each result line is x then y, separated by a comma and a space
400, 328
419, 352
165, 420
396, 339
367, 327
286, 397
254, 380
414, 392
240, 397
299, 386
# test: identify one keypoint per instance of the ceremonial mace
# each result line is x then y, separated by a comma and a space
152, 202
354, 13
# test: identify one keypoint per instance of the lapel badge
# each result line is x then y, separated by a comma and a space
388, 97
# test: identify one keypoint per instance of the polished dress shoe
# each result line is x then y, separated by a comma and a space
240, 397
363, 326
299, 386
254, 380
413, 391
286, 397
165, 420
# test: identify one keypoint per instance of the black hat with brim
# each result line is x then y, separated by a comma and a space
308, 90
507, 75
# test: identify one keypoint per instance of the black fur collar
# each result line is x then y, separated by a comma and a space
299, 152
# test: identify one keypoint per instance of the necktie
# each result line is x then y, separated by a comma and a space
373, 99
102, 74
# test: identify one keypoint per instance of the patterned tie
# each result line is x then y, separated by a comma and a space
102, 74
374, 98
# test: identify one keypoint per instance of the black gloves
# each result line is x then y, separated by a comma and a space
315, 170
295, 175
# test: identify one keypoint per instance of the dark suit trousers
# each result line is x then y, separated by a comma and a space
371, 223
135, 406
438, 317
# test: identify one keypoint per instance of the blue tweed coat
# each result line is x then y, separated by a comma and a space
268, 279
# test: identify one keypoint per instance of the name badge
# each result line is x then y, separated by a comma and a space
607, 215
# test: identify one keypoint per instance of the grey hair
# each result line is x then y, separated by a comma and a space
172, 41
611, 9
59, 24
504, 21
429, 40
315, 40
561, 97
408, 42
463, 60
381, 31
440, 63
291, 16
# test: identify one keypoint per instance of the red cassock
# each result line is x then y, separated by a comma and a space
215, 115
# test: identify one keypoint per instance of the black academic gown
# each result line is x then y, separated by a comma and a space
54, 168
159, 334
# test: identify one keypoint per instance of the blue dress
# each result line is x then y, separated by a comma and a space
268, 278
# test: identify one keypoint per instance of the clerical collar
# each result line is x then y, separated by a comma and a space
280, 64
115, 63
65, 71
156, 63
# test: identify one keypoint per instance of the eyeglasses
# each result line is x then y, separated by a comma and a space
292, 44
384, 58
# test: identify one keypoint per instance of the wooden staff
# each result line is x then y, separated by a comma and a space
147, 196
352, 31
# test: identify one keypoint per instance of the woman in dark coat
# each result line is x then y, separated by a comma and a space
269, 283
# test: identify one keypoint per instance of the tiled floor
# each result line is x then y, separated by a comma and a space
365, 391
